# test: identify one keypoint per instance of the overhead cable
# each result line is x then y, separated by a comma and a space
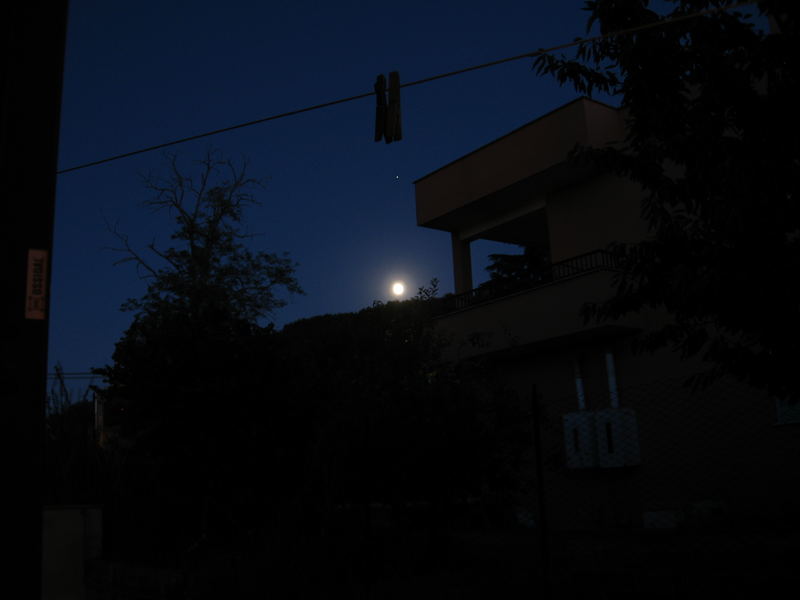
576, 42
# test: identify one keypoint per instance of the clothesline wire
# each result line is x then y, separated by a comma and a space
576, 42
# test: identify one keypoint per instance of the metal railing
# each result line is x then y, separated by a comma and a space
590, 262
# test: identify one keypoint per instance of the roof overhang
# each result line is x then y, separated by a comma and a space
514, 173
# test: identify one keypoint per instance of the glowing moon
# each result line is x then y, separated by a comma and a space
398, 288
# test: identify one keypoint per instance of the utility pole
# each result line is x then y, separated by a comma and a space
32, 37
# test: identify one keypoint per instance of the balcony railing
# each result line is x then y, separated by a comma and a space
597, 260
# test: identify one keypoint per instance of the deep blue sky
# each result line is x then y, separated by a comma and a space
141, 73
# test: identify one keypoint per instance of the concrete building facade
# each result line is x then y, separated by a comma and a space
627, 445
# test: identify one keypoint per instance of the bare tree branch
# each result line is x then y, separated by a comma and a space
209, 268
165, 256
127, 249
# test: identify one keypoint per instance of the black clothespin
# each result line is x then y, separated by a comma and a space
380, 107
387, 114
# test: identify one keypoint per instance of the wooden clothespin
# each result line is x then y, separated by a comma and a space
388, 124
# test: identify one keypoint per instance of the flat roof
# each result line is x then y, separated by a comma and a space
544, 116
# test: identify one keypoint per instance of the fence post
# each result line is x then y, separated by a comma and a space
544, 548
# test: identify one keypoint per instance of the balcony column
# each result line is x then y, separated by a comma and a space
462, 264
613, 394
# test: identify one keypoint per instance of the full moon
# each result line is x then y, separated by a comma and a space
398, 288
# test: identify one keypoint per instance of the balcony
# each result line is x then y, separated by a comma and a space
523, 189
542, 311
591, 262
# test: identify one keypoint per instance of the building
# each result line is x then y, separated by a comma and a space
625, 445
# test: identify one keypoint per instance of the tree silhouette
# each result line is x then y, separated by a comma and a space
514, 271
212, 271
713, 141
184, 391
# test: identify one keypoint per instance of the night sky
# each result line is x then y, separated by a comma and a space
138, 74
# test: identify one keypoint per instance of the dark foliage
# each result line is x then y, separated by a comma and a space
73, 464
512, 271
230, 435
393, 422
713, 140
184, 393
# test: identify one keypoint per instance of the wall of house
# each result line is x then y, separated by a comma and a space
714, 454
71, 535
711, 458
590, 215
535, 315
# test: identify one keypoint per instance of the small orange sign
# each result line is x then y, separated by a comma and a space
36, 296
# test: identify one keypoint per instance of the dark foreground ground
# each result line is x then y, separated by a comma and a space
468, 565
